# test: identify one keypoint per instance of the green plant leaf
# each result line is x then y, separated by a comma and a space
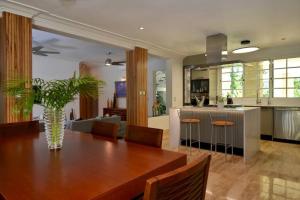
53, 94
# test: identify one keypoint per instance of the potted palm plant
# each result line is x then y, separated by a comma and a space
53, 96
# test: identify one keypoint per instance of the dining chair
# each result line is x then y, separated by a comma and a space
189, 121
144, 135
27, 127
221, 121
105, 129
188, 182
2, 197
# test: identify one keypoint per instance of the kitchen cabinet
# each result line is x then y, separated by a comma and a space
267, 122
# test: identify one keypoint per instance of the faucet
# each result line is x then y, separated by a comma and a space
258, 100
269, 100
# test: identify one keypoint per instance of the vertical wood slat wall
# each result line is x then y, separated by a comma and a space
88, 106
15, 59
136, 76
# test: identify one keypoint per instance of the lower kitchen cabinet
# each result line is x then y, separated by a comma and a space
267, 122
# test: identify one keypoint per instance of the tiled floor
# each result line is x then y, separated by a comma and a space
274, 173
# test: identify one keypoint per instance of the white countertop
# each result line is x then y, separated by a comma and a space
272, 106
215, 109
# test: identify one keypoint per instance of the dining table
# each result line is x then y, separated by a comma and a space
86, 167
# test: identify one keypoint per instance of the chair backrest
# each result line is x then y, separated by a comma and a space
188, 182
144, 135
105, 129
1, 197
28, 127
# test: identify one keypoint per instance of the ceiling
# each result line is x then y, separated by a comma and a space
76, 49
91, 52
182, 25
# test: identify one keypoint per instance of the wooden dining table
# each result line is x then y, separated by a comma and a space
87, 167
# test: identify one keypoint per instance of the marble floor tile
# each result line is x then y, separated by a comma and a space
274, 173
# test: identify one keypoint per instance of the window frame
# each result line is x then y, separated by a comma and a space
262, 79
286, 88
242, 81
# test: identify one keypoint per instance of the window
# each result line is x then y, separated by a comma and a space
264, 78
286, 75
232, 80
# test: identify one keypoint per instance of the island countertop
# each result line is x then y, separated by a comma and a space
244, 135
215, 109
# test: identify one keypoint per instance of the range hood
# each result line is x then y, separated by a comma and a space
215, 45
216, 52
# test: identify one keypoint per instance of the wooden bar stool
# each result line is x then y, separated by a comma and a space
189, 122
221, 122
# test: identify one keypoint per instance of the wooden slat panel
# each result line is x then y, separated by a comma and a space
141, 60
89, 107
131, 93
136, 73
15, 60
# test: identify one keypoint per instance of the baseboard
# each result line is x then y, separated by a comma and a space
220, 147
266, 137
286, 141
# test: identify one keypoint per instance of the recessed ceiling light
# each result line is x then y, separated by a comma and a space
245, 50
141, 28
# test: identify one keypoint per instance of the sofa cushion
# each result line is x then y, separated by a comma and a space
86, 125
82, 125
113, 119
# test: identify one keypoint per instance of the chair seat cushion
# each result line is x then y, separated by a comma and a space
190, 120
222, 123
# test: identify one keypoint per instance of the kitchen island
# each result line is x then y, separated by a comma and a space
246, 129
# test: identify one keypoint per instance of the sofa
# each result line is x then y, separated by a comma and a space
87, 124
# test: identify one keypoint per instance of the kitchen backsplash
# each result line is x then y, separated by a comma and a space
264, 101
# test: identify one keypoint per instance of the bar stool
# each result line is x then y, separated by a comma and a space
189, 121
221, 122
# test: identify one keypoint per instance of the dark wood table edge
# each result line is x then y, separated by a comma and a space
181, 161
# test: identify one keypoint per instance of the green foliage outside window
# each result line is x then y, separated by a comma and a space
232, 80
236, 83
297, 87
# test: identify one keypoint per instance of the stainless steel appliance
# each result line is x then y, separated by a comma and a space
287, 123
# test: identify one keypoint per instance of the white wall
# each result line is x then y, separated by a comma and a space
173, 68
174, 92
161, 122
264, 101
175, 83
110, 75
50, 68
118, 73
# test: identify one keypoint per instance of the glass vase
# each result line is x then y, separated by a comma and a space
54, 127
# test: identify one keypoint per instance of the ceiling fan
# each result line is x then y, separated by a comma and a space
38, 51
52, 43
109, 62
